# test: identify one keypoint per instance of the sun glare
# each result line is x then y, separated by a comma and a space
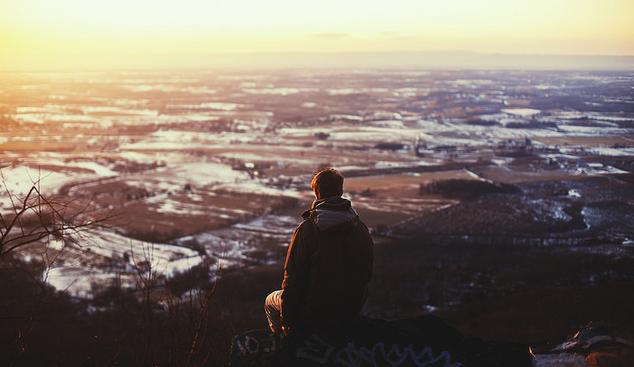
76, 32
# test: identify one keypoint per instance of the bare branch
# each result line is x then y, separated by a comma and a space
18, 214
36, 217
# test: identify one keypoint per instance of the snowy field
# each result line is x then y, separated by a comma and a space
214, 168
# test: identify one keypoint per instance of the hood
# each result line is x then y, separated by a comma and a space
329, 213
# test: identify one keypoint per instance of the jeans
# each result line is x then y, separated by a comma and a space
273, 309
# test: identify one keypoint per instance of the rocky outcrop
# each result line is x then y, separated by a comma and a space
424, 341
592, 346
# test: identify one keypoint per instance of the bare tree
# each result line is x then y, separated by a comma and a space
35, 217
198, 339
196, 309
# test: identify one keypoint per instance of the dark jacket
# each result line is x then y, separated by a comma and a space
328, 266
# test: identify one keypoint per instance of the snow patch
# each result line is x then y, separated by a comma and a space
523, 112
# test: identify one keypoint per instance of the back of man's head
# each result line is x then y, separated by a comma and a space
327, 183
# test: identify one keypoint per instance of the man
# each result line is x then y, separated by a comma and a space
328, 263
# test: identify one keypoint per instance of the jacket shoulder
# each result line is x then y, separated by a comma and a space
306, 227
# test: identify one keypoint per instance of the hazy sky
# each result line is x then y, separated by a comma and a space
85, 33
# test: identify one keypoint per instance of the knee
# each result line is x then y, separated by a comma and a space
268, 302
272, 301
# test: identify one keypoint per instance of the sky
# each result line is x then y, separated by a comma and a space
43, 34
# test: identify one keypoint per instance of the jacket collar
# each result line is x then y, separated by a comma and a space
335, 203
331, 213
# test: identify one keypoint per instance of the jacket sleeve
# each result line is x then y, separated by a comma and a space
369, 255
296, 273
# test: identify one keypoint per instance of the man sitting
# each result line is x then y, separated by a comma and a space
328, 263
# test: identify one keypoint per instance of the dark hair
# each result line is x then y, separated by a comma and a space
328, 182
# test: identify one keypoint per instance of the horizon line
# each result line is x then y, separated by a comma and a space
436, 60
